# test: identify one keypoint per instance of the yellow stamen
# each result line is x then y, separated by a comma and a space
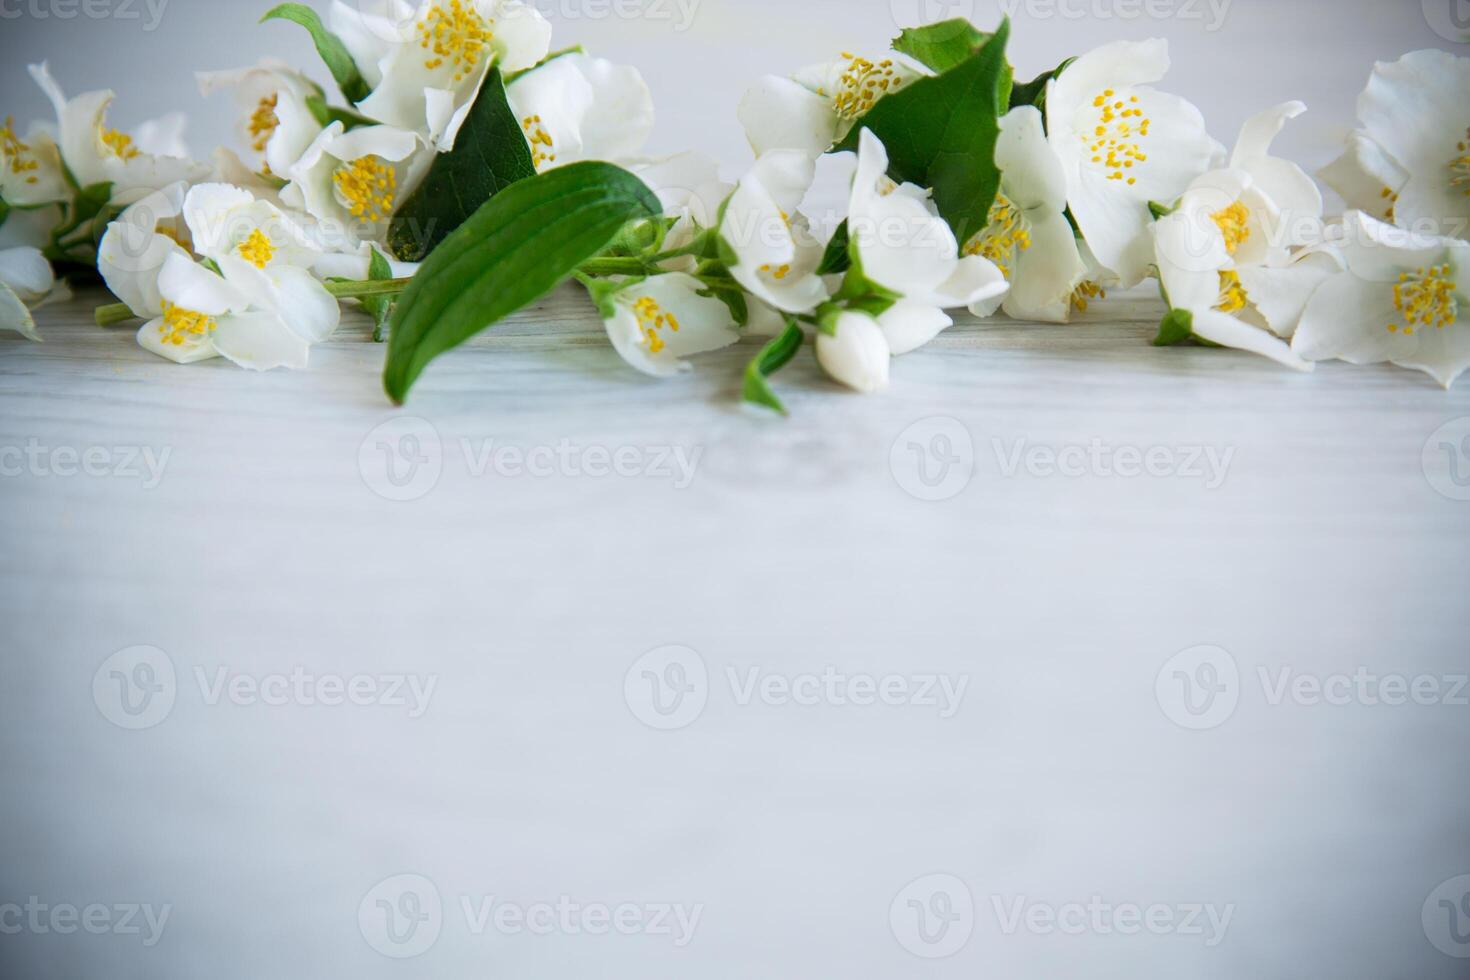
863, 83
651, 319
1004, 236
120, 143
457, 34
263, 123
1393, 199
1233, 297
777, 272
1116, 143
1460, 166
258, 249
1425, 298
180, 324
1086, 293
543, 147
1233, 222
367, 187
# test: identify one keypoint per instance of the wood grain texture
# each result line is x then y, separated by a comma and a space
1325, 550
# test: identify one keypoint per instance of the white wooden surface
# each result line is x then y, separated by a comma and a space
1326, 550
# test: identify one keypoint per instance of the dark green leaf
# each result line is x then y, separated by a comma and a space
334, 53
489, 155
1178, 326
514, 250
4, 211
379, 307
326, 114
941, 131
772, 358
1034, 91
941, 46
836, 259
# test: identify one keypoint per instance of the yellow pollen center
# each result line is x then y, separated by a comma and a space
180, 324
1393, 200
14, 153
1086, 293
1005, 234
454, 33
1116, 137
863, 83
258, 249
652, 318
120, 143
367, 188
263, 123
777, 272
543, 147
1460, 166
1425, 298
1233, 222
1233, 297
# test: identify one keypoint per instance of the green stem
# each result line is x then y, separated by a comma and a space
113, 314
614, 267
369, 287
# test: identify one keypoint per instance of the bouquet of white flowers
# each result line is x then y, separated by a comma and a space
469, 170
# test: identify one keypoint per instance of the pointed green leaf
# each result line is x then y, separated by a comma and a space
517, 248
379, 307
490, 154
772, 358
334, 53
941, 131
941, 46
1034, 92
836, 259
1178, 326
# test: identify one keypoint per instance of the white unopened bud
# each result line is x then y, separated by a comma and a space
856, 354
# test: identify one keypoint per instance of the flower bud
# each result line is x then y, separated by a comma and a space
856, 353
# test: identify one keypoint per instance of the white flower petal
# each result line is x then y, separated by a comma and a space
1415, 109
1347, 319
186, 284
1365, 176
15, 315
156, 338
260, 342
1047, 273
781, 114
1227, 331
1031, 175
27, 273
1442, 353
857, 354
1281, 295
909, 326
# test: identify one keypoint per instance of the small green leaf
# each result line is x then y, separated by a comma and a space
1178, 326
772, 358
517, 248
326, 114
489, 155
1034, 92
1160, 210
379, 307
836, 259
941, 132
334, 53
941, 46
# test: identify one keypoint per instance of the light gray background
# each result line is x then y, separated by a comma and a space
1328, 550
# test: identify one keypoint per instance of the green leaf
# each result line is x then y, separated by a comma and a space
941, 46
334, 53
514, 250
772, 358
1160, 210
836, 259
1178, 326
379, 307
326, 114
489, 155
941, 131
1034, 92
4, 212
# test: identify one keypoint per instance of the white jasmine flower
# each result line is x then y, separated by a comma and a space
153, 157
370, 30
136, 245
1226, 255
689, 187
352, 182
1415, 144
30, 168
777, 256
431, 77
855, 353
904, 246
660, 321
1028, 236
819, 105
1123, 144
1402, 299
576, 107
26, 283
275, 123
